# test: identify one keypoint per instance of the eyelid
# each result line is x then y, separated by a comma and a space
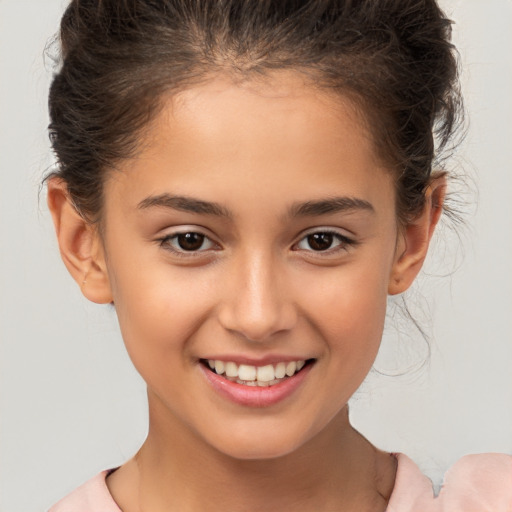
345, 241
163, 241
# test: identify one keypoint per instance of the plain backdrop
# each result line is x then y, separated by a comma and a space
71, 404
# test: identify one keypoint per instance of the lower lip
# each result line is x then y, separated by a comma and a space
255, 396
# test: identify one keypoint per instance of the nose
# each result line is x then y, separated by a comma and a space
257, 303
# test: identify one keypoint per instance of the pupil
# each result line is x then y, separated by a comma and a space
190, 241
320, 241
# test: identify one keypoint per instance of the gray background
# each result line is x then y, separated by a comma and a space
71, 404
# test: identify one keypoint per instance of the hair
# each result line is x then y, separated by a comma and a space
394, 58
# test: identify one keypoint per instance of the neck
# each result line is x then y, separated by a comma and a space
176, 470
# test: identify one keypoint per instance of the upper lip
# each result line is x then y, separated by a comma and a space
255, 361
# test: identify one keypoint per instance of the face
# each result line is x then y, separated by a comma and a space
256, 233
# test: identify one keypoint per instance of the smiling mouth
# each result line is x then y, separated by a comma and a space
261, 376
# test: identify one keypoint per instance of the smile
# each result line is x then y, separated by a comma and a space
255, 386
249, 375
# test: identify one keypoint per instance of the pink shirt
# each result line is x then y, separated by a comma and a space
476, 483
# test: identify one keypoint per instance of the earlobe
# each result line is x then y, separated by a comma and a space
415, 239
80, 244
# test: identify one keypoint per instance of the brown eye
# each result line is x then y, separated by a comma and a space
320, 241
187, 242
325, 241
190, 241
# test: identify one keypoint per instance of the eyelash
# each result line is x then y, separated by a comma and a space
344, 243
166, 241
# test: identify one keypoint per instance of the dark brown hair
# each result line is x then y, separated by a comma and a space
394, 57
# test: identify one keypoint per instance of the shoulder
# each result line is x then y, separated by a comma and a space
475, 483
479, 483
89, 497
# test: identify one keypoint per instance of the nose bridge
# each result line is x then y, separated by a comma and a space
256, 302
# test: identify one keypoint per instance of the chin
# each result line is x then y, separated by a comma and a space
258, 444
258, 451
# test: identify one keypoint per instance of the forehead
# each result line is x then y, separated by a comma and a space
280, 109
278, 135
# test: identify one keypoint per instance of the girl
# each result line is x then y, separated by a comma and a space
247, 182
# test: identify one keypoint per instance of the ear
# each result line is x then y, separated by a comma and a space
414, 240
80, 244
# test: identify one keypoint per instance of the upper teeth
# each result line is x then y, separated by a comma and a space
256, 374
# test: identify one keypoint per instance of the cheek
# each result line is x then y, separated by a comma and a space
159, 309
347, 308
350, 298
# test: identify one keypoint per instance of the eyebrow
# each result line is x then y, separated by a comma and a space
185, 204
300, 209
329, 205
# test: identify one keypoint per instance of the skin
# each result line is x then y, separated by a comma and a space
255, 288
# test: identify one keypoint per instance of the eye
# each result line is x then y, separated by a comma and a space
187, 242
324, 241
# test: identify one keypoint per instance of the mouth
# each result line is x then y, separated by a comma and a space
256, 376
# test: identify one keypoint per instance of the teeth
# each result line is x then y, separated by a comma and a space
246, 372
265, 373
219, 367
249, 375
290, 368
231, 369
280, 370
